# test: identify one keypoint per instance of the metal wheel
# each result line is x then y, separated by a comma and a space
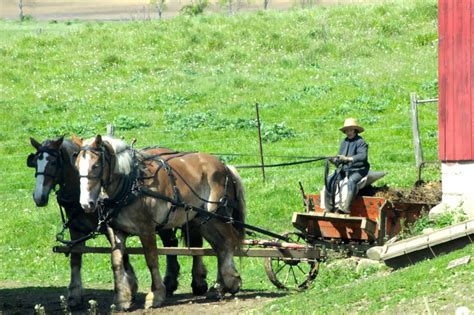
292, 274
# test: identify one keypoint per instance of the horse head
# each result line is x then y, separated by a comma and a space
95, 163
47, 162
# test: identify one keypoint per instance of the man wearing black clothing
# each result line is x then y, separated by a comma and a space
353, 154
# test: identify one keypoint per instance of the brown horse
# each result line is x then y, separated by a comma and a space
168, 193
54, 166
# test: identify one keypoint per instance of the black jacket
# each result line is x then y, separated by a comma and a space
358, 149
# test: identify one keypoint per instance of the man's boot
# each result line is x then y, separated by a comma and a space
328, 202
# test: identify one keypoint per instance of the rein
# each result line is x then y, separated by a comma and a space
211, 215
286, 164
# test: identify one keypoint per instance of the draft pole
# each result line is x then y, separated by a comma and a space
260, 142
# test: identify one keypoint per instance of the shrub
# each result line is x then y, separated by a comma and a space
424, 222
195, 9
128, 123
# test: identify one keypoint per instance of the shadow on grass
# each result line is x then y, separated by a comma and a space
23, 300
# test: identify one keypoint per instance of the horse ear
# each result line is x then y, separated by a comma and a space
98, 140
77, 140
59, 141
35, 143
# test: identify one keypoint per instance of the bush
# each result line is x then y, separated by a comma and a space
424, 222
195, 9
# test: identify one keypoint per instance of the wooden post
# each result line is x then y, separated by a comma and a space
21, 15
110, 130
416, 130
260, 142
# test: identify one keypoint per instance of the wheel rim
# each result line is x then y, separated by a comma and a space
291, 274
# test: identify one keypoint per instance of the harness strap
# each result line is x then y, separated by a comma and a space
211, 215
53, 153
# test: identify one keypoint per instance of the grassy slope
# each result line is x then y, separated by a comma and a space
192, 84
426, 287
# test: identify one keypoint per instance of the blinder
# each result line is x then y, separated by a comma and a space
30, 160
103, 158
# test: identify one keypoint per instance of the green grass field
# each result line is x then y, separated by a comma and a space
192, 84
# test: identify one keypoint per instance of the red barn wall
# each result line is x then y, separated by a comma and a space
456, 80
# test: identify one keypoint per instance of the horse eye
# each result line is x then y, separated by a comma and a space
95, 166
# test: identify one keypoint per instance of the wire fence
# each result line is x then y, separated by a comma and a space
384, 140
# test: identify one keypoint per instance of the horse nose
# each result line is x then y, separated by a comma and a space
42, 201
88, 207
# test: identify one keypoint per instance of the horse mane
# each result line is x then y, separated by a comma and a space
123, 155
69, 148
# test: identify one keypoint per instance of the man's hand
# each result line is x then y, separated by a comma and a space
345, 159
333, 159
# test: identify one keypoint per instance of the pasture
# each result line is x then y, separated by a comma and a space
191, 84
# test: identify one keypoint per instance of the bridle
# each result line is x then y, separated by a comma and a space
54, 153
104, 158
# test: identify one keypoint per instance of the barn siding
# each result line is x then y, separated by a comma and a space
456, 71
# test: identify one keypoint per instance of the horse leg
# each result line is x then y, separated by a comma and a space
169, 239
223, 239
123, 292
157, 293
199, 283
130, 277
75, 292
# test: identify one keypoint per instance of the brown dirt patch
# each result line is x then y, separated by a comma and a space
17, 299
428, 193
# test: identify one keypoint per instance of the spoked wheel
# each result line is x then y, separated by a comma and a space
292, 274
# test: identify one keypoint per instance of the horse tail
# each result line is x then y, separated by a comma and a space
240, 210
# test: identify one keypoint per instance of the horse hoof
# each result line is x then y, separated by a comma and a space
75, 303
232, 286
122, 306
171, 285
199, 288
154, 299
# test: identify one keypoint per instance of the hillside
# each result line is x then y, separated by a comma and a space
192, 84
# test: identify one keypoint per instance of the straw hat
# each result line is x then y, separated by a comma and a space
351, 123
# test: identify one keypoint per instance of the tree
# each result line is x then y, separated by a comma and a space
160, 6
265, 4
21, 6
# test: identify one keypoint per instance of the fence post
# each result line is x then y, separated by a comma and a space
110, 130
260, 142
416, 130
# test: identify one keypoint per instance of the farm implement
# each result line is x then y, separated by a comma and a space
291, 260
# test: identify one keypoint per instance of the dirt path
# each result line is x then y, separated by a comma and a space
17, 299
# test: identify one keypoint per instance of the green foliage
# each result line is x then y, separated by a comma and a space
26, 18
179, 121
123, 122
276, 132
412, 290
194, 9
444, 219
